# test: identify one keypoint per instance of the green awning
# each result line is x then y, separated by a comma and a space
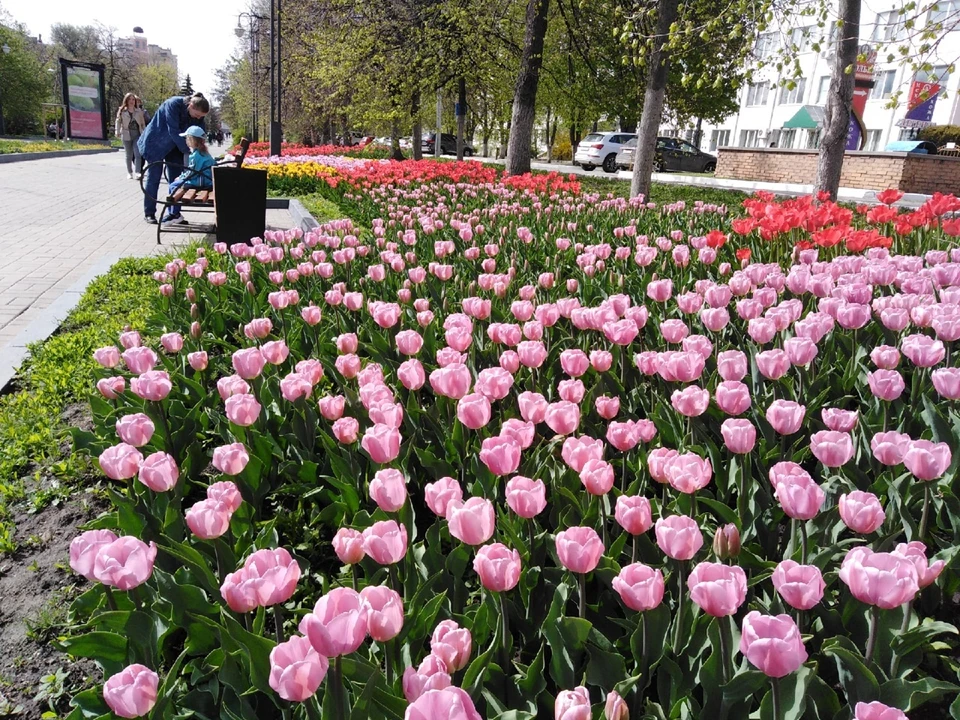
808, 117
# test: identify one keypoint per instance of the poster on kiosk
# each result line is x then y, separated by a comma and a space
862, 84
83, 95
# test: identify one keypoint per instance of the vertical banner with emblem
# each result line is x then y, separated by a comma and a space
862, 84
922, 102
83, 94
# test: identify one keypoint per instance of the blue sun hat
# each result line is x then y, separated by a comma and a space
194, 131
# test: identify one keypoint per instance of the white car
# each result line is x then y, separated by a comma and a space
600, 149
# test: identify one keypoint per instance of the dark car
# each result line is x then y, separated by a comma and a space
672, 155
448, 145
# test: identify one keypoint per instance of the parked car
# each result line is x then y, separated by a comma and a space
448, 145
672, 155
600, 150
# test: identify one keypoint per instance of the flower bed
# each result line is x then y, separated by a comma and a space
262, 150
518, 450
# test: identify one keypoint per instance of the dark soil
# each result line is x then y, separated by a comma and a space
36, 586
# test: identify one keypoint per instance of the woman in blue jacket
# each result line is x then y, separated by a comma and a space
162, 140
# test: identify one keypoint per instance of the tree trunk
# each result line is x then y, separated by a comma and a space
653, 101
525, 93
698, 133
345, 128
628, 124
461, 114
839, 100
417, 126
395, 152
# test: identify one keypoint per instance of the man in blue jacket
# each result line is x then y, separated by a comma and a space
162, 140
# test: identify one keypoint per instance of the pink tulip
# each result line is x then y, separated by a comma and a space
451, 644
348, 545
411, 374
242, 410
577, 451
125, 563
409, 342
800, 350
688, 472
139, 359
450, 703
922, 351
388, 489
800, 497
890, 447
579, 549
927, 460
269, 575
107, 357
532, 353
574, 362
208, 519
621, 332
785, 416
623, 435
772, 644
510, 361
498, 567
111, 387
494, 383
597, 477
732, 365
130, 339
877, 711
431, 675
692, 401
633, 514
120, 462
773, 364
159, 472
601, 360
226, 493
296, 669
345, 430
474, 411
248, 363
136, 429
886, 580
657, 460
338, 624
348, 366
472, 522
172, 342
84, 549
562, 417
521, 432
739, 436
527, 498
572, 705
839, 420
886, 384
615, 707
833, 449
384, 611
132, 692
230, 459
674, 331
732, 397
719, 590
571, 390
198, 360
154, 385
946, 381
916, 552
885, 357
861, 511
441, 493
533, 407
382, 443
640, 587
678, 536
331, 407
501, 455
452, 381
385, 542
800, 586
232, 385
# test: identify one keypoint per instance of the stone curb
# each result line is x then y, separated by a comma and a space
23, 157
49, 319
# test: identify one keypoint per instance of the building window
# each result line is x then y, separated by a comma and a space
794, 96
883, 85
888, 26
749, 138
788, 138
944, 11
813, 139
939, 75
757, 94
873, 140
801, 38
766, 44
822, 89
669, 133
719, 138
908, 134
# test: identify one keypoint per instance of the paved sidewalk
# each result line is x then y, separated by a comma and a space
62, 222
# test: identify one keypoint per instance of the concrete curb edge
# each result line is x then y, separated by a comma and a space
23, 157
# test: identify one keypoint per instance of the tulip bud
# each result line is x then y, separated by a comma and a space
194, 311
191, 294
195, 330
726, 543
250, 288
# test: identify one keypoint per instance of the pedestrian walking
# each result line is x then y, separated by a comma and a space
130, 123
162, 140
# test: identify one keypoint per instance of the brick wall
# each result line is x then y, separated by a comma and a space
908, 172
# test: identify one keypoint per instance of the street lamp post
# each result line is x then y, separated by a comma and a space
276, 86
254, 64
3, 127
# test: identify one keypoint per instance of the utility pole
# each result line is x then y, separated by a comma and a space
437, 135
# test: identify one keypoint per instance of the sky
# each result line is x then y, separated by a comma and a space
201, 35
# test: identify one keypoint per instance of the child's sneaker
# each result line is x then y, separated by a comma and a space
174, 219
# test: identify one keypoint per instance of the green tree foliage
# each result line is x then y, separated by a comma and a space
24, 83
187, 87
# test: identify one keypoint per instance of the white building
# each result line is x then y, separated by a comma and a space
771, 113
144, 52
